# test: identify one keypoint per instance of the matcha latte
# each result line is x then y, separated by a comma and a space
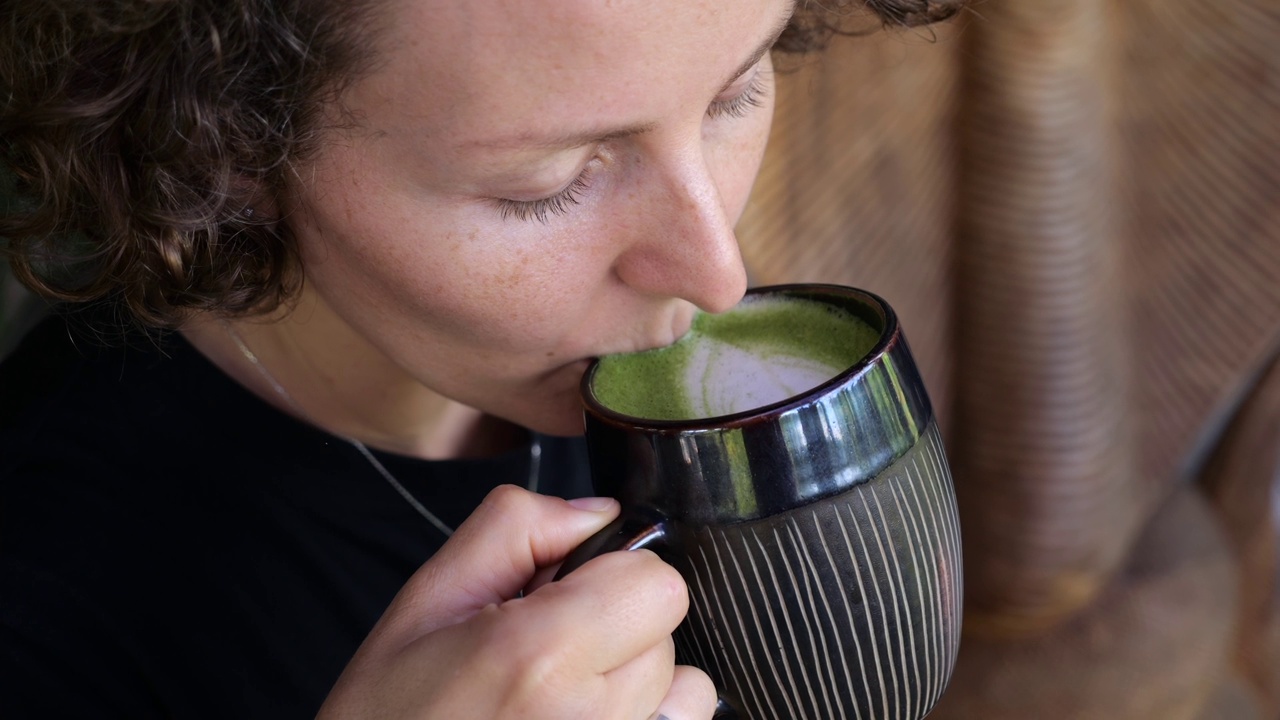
763, 351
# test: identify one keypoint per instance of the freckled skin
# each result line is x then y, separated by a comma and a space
414, 275
437, 302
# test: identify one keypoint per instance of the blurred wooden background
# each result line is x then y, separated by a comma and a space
1075, 207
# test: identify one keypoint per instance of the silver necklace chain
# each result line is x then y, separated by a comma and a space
535, 447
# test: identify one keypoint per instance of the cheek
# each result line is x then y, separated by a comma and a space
489, 284
735, 159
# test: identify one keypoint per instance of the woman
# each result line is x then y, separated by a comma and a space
377, 244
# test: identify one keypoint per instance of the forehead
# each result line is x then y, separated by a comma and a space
475, 68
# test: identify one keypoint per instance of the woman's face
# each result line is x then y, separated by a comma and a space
528, 185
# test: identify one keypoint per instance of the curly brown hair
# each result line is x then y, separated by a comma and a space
137, 135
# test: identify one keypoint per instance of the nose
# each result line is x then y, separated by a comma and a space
684, 245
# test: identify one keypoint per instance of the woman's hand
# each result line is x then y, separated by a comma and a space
458, 641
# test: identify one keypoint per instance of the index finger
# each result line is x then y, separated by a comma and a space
614, 607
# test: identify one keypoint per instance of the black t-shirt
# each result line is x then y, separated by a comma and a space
172, 546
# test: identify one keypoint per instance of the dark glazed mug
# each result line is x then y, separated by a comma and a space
818, 535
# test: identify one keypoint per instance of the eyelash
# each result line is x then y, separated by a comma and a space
751, 97
541, 210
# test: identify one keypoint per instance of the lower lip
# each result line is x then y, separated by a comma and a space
577, 368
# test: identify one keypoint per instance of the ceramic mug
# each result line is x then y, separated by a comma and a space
818, 536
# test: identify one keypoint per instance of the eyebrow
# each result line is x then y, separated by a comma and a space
592, 137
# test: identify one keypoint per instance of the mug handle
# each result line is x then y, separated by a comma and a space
632, 531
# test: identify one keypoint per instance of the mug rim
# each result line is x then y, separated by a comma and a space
889, 336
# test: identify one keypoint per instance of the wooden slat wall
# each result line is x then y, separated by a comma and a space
1075, 206
856, 191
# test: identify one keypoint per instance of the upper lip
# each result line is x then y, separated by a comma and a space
680, 321
641, 347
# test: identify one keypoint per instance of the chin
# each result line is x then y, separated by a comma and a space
571, 428
561, 424
559, 415
550, 405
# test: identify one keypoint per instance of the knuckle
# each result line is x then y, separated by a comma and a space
642, 584
664, 581
508, 501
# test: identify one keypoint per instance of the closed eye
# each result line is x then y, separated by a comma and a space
543, 209
751, 97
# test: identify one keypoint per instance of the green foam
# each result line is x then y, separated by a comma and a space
650, 384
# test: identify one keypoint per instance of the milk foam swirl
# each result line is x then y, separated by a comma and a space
764, 351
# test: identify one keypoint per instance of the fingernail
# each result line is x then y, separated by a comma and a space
594, 504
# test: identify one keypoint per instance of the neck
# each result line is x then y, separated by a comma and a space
333, 378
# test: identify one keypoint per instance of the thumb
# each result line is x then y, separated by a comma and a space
493, 555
